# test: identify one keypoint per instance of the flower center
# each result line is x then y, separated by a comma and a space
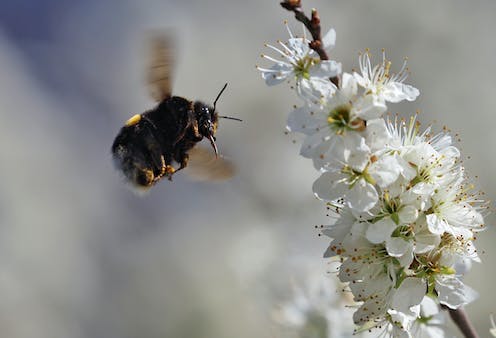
403, 231
354, 176
302, 67
339, 119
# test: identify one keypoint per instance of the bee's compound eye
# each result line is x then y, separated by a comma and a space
144, 177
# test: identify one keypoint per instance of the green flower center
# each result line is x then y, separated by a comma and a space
302, 67
354, 176
339, 119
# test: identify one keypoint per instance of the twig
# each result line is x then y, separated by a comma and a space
313, 26
460, 317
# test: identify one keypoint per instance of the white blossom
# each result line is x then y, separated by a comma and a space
300, 63
403, 215
383, 85
317, 308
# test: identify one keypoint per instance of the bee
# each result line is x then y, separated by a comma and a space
159, 142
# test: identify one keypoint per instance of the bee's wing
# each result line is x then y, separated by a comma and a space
204, 166
160, 65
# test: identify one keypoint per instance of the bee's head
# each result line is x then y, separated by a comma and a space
208, 118
207, 121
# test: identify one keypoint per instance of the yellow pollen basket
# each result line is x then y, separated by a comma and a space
169, 170
133, 120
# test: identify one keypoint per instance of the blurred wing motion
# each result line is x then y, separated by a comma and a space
160, 64
204, 166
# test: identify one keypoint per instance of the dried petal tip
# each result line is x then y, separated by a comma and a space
315, 18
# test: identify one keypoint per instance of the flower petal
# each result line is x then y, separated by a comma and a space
452, 292
397, 246
436, 225
362, 197
381, 230
385, 171
397, 91
326, 69
311, 143
329, 39
329, 186
410, 293
306, 120
278, 73
408, 214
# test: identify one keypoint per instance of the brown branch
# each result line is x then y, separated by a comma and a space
460, 318
313, 26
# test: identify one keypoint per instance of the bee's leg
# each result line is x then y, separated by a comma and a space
161, 165
183, 161
181, 157
165, 169
196, 133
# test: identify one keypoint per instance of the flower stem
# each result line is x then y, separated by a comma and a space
460, 317
313, 26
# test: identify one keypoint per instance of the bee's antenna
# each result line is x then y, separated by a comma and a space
215, 102
217, 98
230, 118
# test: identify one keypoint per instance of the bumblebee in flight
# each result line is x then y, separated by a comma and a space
160, 141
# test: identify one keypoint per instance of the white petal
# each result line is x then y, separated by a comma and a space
329, 187
397, 91
426, 241
450, 152
428, 307
410, 293
362, 197
307, 120
464, 215
453, 293
424, 189
369, 108
311, 142
372, 309
329, 39
381, 230
408, 214
278, 73
356, 152
329, 155
348, 86
436, 225
397, 246
411, 93
407, 258
307, 91
376, 134
385, 171
400, 324
361, 80
326, 69
299, 46
407, 170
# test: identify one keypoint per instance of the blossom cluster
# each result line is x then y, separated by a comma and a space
316, 309
404, 215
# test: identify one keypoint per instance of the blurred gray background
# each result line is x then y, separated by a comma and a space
81, 256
